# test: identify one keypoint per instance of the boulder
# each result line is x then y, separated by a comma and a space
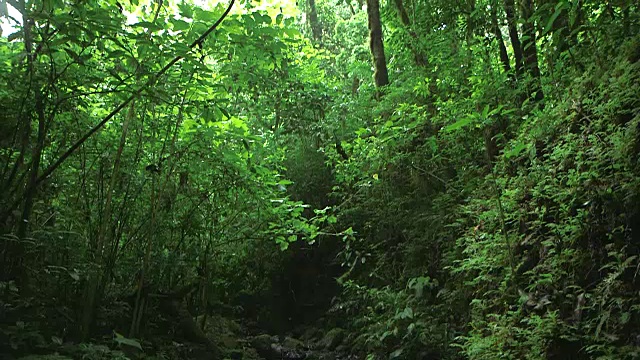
332, 339
266, 346
293, 344
311, 333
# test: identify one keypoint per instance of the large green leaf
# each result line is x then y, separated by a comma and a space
459, 124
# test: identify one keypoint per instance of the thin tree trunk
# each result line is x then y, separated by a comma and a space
509, 8
97, 279
626, 20
355, 85
530, 50
138, 310
30, 188
404, 17
471, 23
316, 29
504, 56
353, 11
36, 155
380, 75
420, 59
24, 126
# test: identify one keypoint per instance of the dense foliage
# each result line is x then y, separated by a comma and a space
440, 179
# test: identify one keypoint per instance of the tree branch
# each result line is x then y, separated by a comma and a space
46, 173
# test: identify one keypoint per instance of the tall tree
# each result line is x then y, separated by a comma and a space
316, 27
504, 56
381, 74
530, 50
420, 58
509, 8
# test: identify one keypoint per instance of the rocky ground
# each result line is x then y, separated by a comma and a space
234, 341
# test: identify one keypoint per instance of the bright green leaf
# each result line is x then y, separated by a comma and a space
459, 124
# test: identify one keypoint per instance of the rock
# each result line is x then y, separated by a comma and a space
428, 355
293, 349
293, 344
229, 342
264, 345
249, 353
288, 354
270, 348
317, 356
236, 355
332, 339
311, 333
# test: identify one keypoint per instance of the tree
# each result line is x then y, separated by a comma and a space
510, 10
316, 27
380, 75
530, 50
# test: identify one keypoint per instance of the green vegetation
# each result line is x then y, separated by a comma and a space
322, 179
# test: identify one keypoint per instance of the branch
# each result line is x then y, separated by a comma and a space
46, 173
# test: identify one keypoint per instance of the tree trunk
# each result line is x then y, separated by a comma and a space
471, 23
420, 59
504, 56
36, 154
316, 29
353, 11
102, 259
355, 85
404, 17
509, 9
138, 309
380, 75
530, 50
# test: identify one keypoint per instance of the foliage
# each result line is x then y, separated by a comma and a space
483, 205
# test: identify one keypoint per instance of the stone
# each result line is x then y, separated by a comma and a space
332, 339
293, 344
264, 345
311, 333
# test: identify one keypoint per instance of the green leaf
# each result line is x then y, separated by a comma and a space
147, 25
185, 10
459, 124
121, 340
224, 112
116, 54
625, 317
180, 25
206, 15
74, 275
485, 111
559, 9
516, 150
73, 55
551, 21
407, 313
262, 18
395, 354
291, 32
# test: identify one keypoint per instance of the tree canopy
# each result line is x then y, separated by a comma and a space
406, 179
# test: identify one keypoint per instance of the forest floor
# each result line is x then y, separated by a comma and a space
164, 336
